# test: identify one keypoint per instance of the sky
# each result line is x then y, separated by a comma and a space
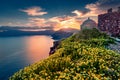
53, 14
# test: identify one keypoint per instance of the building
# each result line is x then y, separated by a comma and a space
88, 24
110, 22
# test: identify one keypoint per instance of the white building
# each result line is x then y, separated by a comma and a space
88, 24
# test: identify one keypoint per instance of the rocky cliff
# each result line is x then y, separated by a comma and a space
54, 48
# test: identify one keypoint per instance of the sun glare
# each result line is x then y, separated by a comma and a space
66, 27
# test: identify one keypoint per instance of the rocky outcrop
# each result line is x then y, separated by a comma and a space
54, 48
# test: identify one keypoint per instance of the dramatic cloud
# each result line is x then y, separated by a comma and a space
98, 7
65, 22
60, 18
34, 11
55, 23
78, 13
105, 4
38, 22
91, 10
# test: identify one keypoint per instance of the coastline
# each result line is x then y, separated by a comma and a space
54, 48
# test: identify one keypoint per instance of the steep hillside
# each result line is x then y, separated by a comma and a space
82, 56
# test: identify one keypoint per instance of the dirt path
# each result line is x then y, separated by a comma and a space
115, 47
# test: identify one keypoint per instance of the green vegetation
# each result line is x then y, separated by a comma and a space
82, 56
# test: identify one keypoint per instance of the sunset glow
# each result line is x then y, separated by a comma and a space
38, 50
66, 14
59, 39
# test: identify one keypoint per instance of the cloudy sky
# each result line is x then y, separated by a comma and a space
52, 13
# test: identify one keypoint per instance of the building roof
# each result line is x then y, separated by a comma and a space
89, 23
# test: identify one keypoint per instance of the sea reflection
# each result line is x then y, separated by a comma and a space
37, 48
18, 52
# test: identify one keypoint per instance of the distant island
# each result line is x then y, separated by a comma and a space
6, 31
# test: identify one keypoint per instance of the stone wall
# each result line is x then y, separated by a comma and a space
110, 22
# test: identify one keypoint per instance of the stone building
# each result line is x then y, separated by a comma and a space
88, 24
110, 22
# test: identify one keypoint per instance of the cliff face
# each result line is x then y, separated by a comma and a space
54, 48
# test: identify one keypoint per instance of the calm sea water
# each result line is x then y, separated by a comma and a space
18, 52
